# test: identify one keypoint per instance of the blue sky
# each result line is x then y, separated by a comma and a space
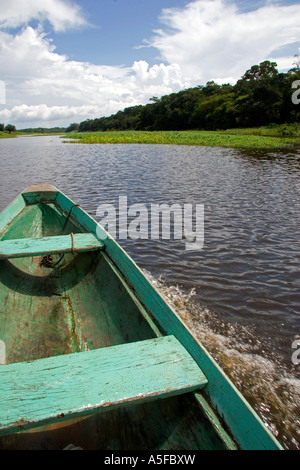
122, 26
119, 25
64, 61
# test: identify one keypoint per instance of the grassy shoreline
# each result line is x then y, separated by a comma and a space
6, 135
270, 137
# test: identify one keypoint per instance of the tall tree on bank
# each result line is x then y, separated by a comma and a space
10, 128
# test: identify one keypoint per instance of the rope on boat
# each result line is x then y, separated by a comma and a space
48, 261
68, 217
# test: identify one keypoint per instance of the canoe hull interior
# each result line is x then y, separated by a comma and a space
74, 303
81, 304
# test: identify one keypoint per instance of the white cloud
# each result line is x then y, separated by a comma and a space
61, 14
43, 113
212, 39
159, 75
43, 86
205, 40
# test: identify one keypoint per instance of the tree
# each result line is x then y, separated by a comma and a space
1, 127
262, 71
73, 127
10, 128
211, 88
261, 89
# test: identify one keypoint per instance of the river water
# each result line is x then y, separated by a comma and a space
239, 294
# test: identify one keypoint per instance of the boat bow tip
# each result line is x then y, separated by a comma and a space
38, 188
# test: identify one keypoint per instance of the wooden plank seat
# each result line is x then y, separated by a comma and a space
70, 386
27, 247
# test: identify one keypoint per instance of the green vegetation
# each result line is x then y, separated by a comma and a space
260, 138
261, 97
256, 112
10, 131
44, 131
10, 128
6, 135
7, 131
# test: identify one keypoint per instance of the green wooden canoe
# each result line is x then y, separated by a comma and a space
91, 354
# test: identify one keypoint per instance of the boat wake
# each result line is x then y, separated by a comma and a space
272, 391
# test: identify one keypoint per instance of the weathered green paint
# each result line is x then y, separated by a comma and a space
9, 214
100, 299
40, 193
28, 247
69, 386
215, 422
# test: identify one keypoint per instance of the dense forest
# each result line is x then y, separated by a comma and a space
44, 130
261, 97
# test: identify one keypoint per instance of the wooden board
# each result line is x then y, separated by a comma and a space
69, 386
28, 247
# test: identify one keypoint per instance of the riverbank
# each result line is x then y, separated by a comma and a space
7, 135
271, 137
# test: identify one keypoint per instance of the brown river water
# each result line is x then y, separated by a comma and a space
239, 294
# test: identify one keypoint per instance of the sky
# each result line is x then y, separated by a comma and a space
65, 61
